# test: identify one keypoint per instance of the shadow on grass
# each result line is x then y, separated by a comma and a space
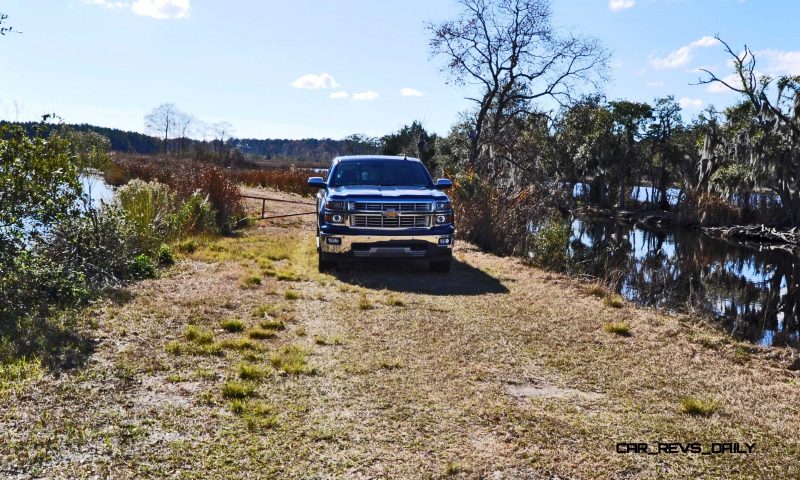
401, 275
56, 340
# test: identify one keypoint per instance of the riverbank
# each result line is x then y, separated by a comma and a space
243, 361
788, 239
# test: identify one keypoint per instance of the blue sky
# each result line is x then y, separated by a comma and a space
252, 63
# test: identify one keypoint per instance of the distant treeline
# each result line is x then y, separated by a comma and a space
121, 140
308, 150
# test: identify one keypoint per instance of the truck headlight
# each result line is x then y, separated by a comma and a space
334, 205
443, 205
443, 218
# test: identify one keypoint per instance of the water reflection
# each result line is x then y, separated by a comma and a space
752, 291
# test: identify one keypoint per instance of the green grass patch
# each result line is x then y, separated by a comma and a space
613, 301
618, 328
273, 325
390, 363
198, 335
699, 406
237, 390
240, 344
292, 359
364, 303
395, 301
250, 281
334, 340
261, 333
232, 325
250, 371
185, 348
291, 294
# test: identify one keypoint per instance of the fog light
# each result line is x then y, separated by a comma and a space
333, 241
444, 241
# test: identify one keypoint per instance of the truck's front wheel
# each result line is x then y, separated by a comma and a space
323, 264
441, 266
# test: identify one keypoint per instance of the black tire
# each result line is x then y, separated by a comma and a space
324, 265
441, 266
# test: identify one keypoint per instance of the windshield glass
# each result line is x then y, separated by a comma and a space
383, 173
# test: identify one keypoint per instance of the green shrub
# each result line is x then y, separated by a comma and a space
549, 245
142, 267
165, 255
148, 209
195, 216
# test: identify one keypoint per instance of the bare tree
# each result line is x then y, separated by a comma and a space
183, 124
222, 131
161, 121
510, 51
5, 28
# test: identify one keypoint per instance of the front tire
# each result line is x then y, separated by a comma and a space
324, 265
440, 266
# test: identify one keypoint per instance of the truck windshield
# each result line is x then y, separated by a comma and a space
384, 173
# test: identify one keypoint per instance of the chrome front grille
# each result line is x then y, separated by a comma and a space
384, 221
392, 206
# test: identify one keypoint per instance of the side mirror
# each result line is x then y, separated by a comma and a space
316, 182
443, 184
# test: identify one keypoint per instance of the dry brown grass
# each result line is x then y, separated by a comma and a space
490, 370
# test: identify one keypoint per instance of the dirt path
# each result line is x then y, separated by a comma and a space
242, 362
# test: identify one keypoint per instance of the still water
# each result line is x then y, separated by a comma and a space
752, 291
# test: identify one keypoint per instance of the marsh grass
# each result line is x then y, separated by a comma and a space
702, 407
292, 359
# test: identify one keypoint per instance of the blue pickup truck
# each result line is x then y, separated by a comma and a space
381, 206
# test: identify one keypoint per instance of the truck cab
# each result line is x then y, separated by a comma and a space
375, 206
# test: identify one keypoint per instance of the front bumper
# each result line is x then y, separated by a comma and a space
386, 246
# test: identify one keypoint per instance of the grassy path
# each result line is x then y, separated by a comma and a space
243, 362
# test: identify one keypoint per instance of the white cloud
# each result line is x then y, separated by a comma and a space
340, 94
161, 9
683, 55
690, 103
410, 92
313, 82
617, 5
368, 95
659, 83
778, 62
107, 3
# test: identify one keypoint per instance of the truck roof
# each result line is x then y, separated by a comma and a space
347, 158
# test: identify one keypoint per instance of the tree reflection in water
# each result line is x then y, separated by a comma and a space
752, 291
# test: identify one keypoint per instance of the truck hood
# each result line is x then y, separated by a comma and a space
371, 191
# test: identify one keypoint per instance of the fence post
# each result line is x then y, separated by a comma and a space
263, 206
